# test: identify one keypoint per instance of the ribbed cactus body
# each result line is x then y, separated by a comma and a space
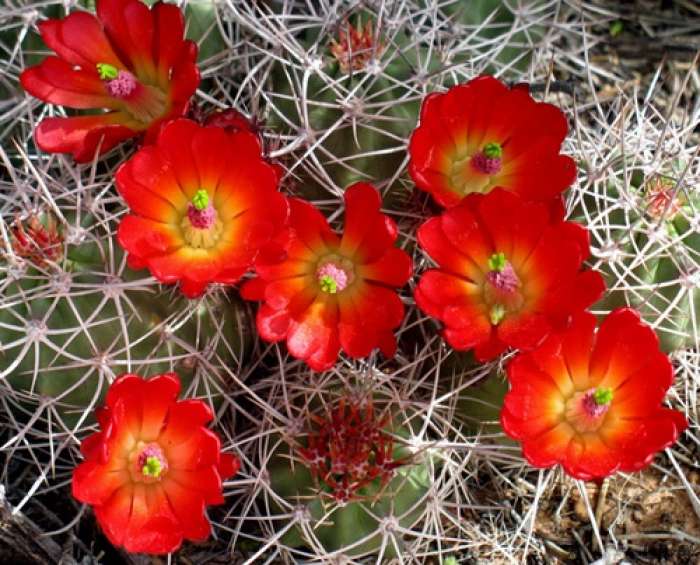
358, 527
653, 254
68, 330
671, 291
479, 407
354, 103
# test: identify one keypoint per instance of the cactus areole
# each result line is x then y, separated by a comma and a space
483, 134
152, 469
323, 292
142, 84
203, 202
490, 299
592, 400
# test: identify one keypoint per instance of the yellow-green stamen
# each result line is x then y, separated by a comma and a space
200, 200
153, 467
497, 262
493, 150
603, 396
328, 284
107, 71
497, 314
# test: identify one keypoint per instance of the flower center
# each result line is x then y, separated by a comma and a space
143, 102
488, 161
201, 226
502, 288
585, 410
503, 278
332, 277
149, 463
597, 401
120, 84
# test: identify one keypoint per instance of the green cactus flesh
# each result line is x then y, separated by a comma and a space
357, 527
357, 121
61, 344
479, 407
654, 275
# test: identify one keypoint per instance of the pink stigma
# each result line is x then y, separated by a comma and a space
201, 219
592, 405
332, 278
122, 86
505, 280
486, 165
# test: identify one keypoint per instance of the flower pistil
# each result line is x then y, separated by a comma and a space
488, 161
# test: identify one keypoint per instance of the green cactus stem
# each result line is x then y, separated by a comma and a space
351, 482
66, 342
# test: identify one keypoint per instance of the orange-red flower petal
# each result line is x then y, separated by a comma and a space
360, 312
146, 46
544, 256
158, 184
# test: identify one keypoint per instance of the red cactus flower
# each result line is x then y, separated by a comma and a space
591, 401
481, 135
509, 273
37, 242
323, 292
128, 60
153, 467
355, 47
203, 201
349, 449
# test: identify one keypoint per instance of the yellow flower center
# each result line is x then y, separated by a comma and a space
586, 410
201, 226
147, 463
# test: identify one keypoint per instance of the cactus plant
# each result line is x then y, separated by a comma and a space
642, 212
344, 86
334, 88
350, 480
74, 315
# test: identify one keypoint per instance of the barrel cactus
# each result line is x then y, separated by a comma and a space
640, 206
74, 316
376, 460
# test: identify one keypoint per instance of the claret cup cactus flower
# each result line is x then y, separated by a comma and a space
203, 203
482, 135
323, 292
129, 60
591, 400
509, 273
425, 267
153, 467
